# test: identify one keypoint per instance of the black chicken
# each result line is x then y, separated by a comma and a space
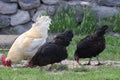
54, 51
91, 46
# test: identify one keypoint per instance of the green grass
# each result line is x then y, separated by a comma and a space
88, 24
113, 22
99, 73
112, 50
63, 20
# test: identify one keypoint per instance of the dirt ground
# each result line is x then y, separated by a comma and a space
73, 64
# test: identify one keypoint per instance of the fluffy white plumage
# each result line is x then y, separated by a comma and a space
28, 43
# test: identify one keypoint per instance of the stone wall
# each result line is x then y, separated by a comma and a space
20, 14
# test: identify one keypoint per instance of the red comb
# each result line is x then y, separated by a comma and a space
3, 57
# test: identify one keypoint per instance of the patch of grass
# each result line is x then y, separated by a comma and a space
1, 26
113, 22
3, 51
58, 67
88, 24
112, 48
82, 69
100, 73
72, 47
63, 20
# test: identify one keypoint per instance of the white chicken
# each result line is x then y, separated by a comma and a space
27, 44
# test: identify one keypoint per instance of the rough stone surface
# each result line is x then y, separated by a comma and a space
4, 20
32, 12
103, 11
63, 5
79, 15
50, 9
42, 7
114, 34
110, 3
6, 41
17, 13
9, 1
8, 8
20, 17
29, 4
50, 1
38, 13
22, 28
74, 3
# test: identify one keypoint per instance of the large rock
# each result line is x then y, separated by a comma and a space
4, 21
79, 14
51, 10
74, 3
20, 17
38, 13
84, 3
42, 10
103, 11
111, 3
9, 1
3, 32
50, 1
22, 28
8, 8
42, 7
32, 12
29, 4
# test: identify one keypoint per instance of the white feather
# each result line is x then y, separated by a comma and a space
32, 49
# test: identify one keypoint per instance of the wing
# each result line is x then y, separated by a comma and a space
33, 45
85, 43
47, 50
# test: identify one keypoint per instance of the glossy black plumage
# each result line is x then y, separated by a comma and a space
92, 45
54, 51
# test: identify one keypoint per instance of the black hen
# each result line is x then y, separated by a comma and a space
92, 45
54, 51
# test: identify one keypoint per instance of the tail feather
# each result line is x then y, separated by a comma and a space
3, 57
